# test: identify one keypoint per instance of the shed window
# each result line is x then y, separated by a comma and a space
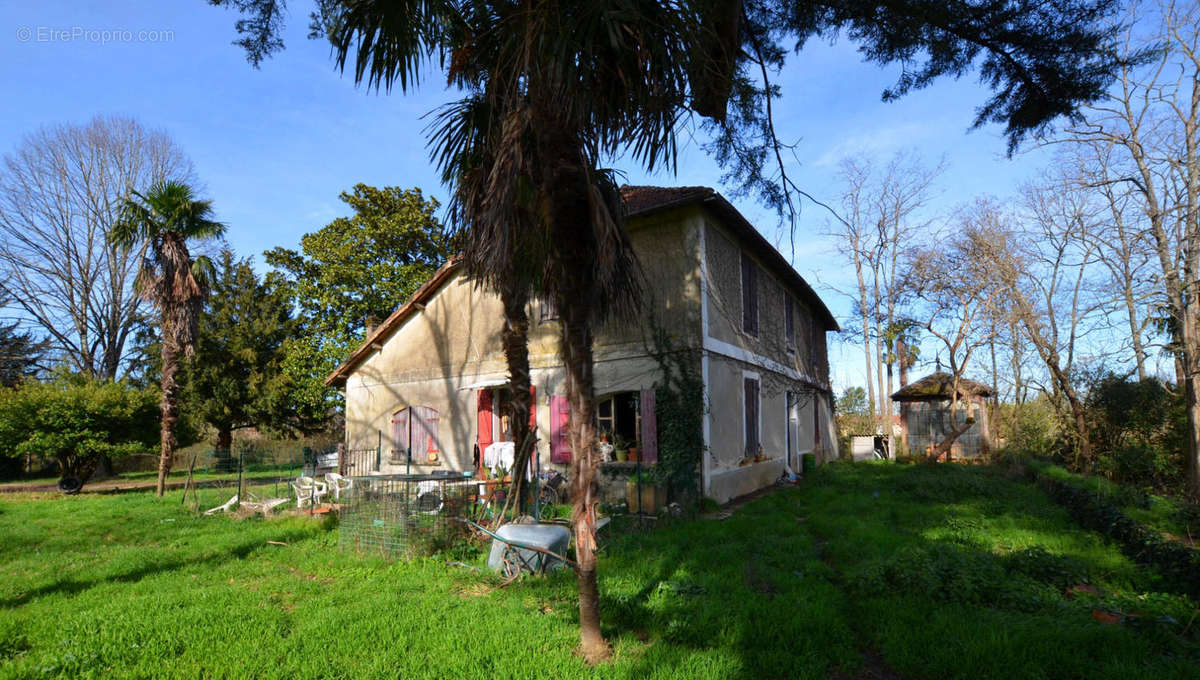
751, 398
749, 295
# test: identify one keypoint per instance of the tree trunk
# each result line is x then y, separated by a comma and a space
1191, 355
515, 338
170, 409
573, 248
577, 355
224, 438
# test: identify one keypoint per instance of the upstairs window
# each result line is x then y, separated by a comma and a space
789, 324
749, 295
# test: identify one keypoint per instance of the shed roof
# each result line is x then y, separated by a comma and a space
937, 386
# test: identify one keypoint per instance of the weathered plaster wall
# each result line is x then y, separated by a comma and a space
724, 260
455, 342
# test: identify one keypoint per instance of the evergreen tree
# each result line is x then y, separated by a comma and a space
235, 379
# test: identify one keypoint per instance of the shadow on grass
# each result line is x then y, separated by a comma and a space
237, 551
851, 574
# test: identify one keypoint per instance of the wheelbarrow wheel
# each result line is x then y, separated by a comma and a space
510, 564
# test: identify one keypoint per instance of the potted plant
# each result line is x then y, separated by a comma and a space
643, 493
621, 448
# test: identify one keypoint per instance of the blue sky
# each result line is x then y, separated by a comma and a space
274, 147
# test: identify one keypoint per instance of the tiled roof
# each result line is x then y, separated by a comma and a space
640, 199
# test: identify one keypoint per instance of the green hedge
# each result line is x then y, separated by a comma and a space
1177, 564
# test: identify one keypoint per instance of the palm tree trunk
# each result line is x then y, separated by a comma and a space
577, 356
515, 338
170, 409
573, 246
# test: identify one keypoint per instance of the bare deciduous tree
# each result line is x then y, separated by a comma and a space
956, 300
60, 194
882, 206
1151, 121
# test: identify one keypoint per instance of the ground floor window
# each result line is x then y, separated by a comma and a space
619, 418
751, 400
626, 420
415, 437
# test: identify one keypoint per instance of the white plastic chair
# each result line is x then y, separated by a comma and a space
338, 484
309, 490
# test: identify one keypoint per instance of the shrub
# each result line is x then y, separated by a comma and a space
1138, 431
75, 420
1177, 565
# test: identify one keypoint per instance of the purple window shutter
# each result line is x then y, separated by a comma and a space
426, 448
560, 444
400, 430
649, 451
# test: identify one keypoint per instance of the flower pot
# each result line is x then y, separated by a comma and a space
622, 455
648, 499
633, 453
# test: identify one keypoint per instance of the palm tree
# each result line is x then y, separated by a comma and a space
165, 218
552, 88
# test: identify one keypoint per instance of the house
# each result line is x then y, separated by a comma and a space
427, 387
925, 416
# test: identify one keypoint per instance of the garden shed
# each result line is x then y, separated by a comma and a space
926, 418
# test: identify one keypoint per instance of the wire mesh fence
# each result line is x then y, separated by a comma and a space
251, 473
402, 516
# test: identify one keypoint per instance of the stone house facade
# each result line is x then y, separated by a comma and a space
427, 387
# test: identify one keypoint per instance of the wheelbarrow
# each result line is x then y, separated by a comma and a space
518, 548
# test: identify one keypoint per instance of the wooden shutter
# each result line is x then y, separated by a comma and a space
485, 419
749, 295
560, 443
533, 409
400, 441
649, 450
427, 446
751, 398
789, 322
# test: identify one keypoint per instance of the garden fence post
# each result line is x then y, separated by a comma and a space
238, 505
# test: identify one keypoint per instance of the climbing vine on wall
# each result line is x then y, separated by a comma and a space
679, 409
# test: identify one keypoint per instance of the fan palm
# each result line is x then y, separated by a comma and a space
552, 87
165, 219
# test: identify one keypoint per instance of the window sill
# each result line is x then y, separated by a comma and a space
616, 466
415, 462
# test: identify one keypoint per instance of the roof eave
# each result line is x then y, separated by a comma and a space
394, 321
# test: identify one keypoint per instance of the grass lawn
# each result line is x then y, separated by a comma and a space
1154, 510
862, 569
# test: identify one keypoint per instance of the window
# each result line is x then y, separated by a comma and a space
620, 417
415, 436
789, 323
752, 408
547, 310
749, 295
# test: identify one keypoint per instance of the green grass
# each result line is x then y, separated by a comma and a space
797, 584
1156, 511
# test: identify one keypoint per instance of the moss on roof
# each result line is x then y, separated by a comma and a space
937, 386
